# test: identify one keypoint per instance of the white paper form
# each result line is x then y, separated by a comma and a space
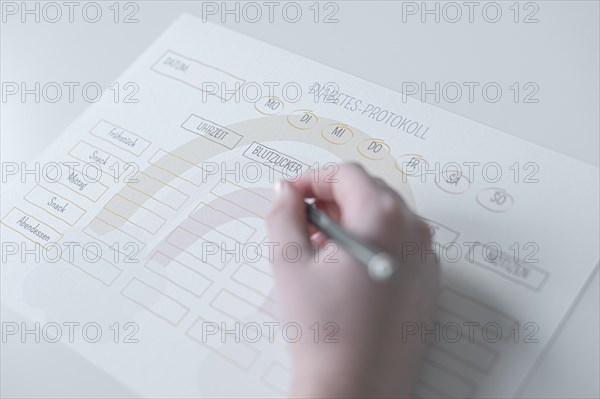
169, 188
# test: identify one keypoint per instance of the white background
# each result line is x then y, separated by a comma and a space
560, 54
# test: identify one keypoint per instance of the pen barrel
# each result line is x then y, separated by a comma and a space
381, 265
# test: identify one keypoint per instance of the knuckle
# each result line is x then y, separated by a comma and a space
352, 168
352, 165
389, 204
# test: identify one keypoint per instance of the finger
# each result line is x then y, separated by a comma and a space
318, 240
329, 208
287, 222
386, 187
351, 188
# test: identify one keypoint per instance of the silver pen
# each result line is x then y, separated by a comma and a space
380, 265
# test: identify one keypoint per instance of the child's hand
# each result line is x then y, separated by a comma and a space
371, 357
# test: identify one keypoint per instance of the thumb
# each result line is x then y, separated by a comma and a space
287, 224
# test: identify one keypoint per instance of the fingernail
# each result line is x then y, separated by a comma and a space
316, 237
280, 187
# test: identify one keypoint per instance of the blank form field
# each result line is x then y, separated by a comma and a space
223, 222
101, 269
178, 166
443, 381
197, 74
278, 377
254, 279
178, 274
155, 301
207, 252
109, 234
254, 203
475, 353
135, 213
473, 310
163, 193
232, 305
240, 353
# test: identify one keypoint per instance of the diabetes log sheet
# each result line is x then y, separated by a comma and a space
152, 214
